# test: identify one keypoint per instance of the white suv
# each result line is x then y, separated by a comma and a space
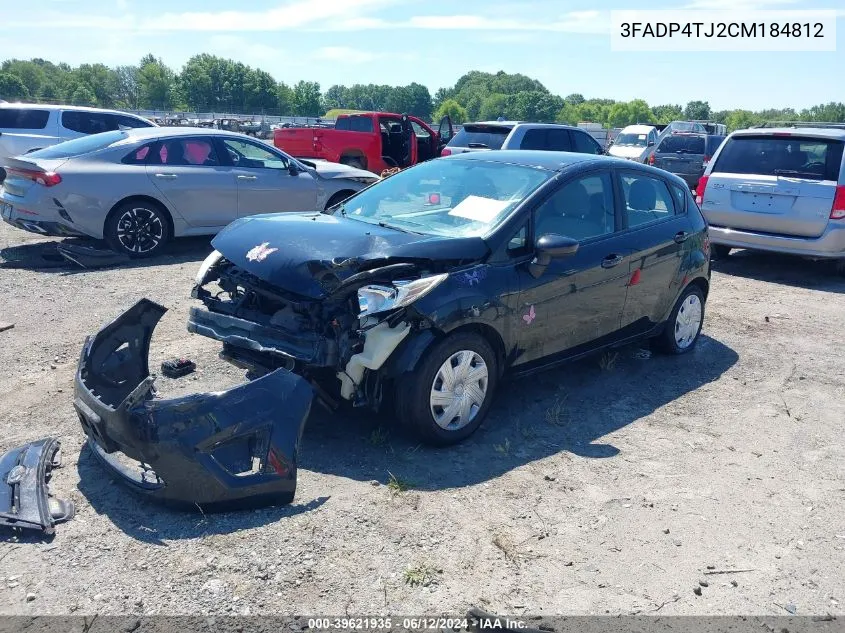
26, 127
778, 189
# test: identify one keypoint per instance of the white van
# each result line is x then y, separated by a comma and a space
26, 127
633, 142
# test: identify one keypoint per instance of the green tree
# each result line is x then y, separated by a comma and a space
307, 100
829, 112
495, 106
31, 74
697, 110
83, 95
574, 99
284, 98
99, 79
155, 84
12, 87
667, 113
453, 110
127, 89
740, 120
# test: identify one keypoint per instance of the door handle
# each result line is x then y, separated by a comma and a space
611, 260
167, 176
247, 177
681, 237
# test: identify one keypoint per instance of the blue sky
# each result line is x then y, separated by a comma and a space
565, 44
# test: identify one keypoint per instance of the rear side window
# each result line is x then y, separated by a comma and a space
23, 119
131, 122
341, 124
679, 144
585, 144
647, 199
79, 146
481, 136
361, 124
791, 156
139, 155
534, 139
88, 122
547, 139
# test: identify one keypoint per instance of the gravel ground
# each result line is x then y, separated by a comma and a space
612, 485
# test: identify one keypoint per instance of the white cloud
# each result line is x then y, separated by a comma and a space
343, 54
250, 53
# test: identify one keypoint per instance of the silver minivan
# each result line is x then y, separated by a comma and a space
779, 190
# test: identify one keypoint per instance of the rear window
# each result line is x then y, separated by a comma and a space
481, 136
23, 119
81, 145
791, 156
681, 145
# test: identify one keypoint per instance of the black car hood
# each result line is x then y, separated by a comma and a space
310, 254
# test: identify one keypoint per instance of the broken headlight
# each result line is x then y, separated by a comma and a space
375, 299
209, 262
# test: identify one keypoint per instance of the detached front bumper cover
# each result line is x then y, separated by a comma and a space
213, 451
25, 499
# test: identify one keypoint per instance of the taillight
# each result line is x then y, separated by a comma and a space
48, 179
706, 161
446, 152
838, 210
699, 190
651, 160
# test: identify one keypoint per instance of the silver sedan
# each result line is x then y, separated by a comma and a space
139, 188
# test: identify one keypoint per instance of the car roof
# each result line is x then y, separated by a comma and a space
494, 123
141, 133
820, 132
637, 129
552, 161
52, 106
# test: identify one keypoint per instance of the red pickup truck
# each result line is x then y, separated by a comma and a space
374, 141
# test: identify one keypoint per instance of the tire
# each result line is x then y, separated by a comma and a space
337, 198
680, 336
839, 267
357, 163
138, 228
720, 251
414, 392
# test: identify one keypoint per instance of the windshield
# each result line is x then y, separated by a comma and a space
809, 158
681, 145
481, 136
635, 140
81, 145
452, 197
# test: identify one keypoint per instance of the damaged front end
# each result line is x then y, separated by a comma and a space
216, 451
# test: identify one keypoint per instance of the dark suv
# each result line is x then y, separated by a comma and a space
686, 155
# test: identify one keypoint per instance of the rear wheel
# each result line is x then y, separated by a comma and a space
353, 161
138, 228
449, 395
720, 251
683, 326
840, 267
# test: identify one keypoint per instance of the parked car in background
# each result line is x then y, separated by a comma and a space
138, 188
633, 142
28, 127
686, 154
435, 282
504, 135
369, 140
779, 190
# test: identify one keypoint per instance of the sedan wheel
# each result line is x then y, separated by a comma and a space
137, 229
447, 396
459, 390
683, 327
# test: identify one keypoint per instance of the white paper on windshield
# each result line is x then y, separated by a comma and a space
479, 209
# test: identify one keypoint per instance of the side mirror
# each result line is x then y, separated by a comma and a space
293, 170
548, 247
651, 143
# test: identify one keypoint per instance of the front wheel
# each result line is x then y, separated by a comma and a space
683, 326
449, 395
138, 229
720, 251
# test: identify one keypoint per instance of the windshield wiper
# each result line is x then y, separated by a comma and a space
794, 172
478, 145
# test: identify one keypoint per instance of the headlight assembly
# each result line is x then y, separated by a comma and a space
375, 299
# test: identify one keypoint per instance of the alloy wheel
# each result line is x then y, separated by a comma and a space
140, 230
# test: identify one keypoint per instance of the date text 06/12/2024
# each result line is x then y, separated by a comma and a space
414, 623
713, 31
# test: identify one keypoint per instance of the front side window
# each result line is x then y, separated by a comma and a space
535, 139
88, 122
585, 144
454, 197
131, 122
581, 209
647, 199
251, 156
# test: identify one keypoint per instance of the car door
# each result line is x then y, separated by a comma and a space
264, 180
576, 303
188, 172
655, 227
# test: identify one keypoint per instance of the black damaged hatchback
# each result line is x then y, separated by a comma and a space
425, 289
420, 292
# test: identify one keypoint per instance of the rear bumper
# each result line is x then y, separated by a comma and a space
216, 451
831, 244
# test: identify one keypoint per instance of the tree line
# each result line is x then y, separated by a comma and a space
210, 83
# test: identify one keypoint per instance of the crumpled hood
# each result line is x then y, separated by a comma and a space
325, 169
311, 253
